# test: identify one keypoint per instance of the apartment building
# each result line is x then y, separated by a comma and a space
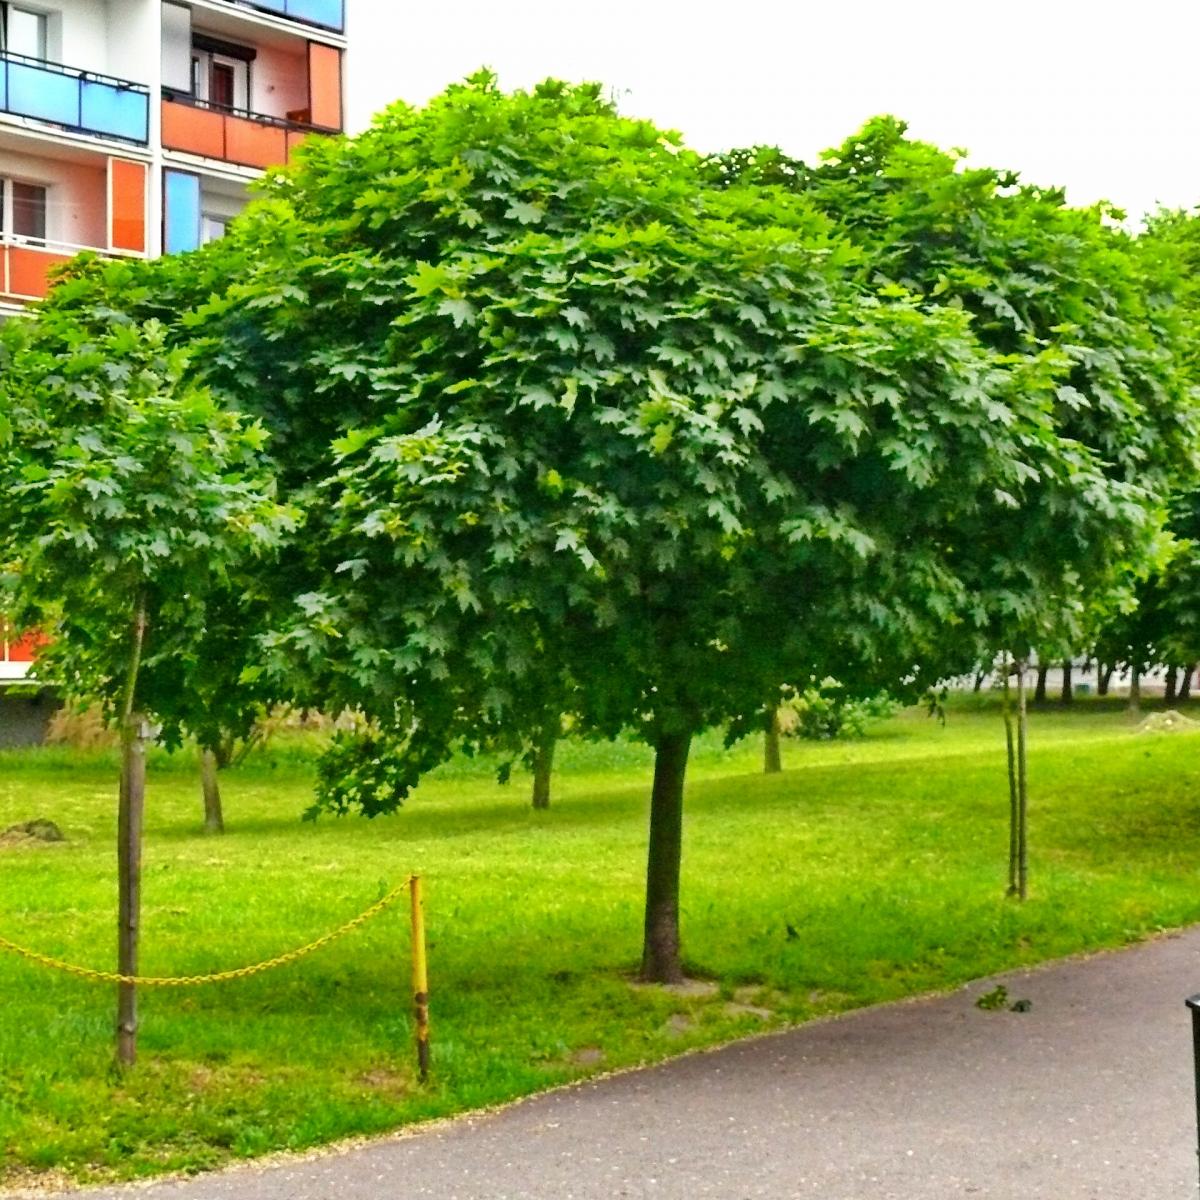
133, 127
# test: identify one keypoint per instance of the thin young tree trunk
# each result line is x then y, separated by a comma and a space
1171, 685
1104, 675
214, 817
1185, 683
1068, 687
543, 769
772, 756
1013, 809
1039, 693
660, 954
980, 676
1135, 690
1022, 787
130, 809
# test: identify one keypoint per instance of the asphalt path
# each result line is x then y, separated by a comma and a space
1087, 1095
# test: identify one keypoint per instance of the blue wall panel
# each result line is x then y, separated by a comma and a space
181, 211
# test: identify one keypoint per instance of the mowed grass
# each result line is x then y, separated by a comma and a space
869, 871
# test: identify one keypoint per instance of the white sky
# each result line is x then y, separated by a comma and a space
1100, 95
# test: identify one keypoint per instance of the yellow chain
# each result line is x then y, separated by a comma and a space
282, 960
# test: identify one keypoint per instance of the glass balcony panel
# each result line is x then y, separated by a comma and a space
330, 13
113, 110
43, 95
74, 98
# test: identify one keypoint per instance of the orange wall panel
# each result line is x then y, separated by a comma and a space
194, 130
128, 205
24, 649
253, 144
27, 270
294, 141
325, 85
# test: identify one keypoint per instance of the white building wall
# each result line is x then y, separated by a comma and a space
132, 41
176, 46
79, 36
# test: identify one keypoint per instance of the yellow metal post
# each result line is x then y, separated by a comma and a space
420, 977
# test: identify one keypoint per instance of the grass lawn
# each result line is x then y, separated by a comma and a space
869, 871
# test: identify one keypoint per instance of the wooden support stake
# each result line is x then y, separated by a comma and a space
420, 978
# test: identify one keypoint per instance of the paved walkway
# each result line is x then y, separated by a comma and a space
1089, 1095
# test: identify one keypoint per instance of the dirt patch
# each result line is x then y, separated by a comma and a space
1168, 722
32, 833
588, 1056
23, 1183
733, 1009
385, 1082
677, 1025
690, 989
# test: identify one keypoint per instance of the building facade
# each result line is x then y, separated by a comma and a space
133, 127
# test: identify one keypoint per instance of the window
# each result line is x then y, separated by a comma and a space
22, 31
212, 228
220, 84
22, 210
221, 73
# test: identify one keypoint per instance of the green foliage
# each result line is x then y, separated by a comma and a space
995, 1000
365, 772
825, 711
596, 423
124, 487
1164, 625
1062, 293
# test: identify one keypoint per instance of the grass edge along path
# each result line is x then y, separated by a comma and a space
863, 878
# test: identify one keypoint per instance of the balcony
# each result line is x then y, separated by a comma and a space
25, 267
325, 14
78, 100
247, 139
17, 653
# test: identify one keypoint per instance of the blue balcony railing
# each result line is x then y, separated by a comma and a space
329, 14
75, 99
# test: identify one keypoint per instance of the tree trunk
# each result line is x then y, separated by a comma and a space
1022, 787
660, 952
1135, 690
1039, 693
1068, 687
1104, 675
1185, 682
1013, 808
1171, 685
214, 817
129, 879
543, 768
772, 757
980, 676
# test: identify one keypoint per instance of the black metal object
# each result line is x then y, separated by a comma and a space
1194, 1004
246, 114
